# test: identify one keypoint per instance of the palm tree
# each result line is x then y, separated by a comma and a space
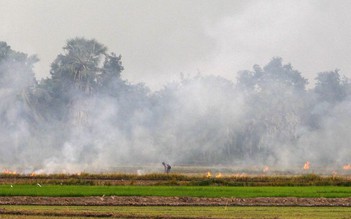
80, 66
81, 71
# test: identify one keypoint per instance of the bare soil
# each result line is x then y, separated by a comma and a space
172, 201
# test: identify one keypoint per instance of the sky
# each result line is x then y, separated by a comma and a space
160, 39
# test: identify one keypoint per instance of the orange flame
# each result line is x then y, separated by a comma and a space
240, 175
6, 171
347, 167
306, 166
265, 169
208, 174
219, 175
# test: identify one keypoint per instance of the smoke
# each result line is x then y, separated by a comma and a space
329, 143
266, 117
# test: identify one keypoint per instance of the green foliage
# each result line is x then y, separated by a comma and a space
273, 72
16, 67
17, 87
228, 212
85, 66
180, 191
329, 87
200, 120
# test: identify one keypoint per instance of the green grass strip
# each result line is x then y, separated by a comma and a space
191, 191
193, 211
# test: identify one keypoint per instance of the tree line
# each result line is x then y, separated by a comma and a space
86, 115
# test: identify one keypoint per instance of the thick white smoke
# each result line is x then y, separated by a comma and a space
267, 117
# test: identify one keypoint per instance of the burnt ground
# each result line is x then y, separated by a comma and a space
172, 201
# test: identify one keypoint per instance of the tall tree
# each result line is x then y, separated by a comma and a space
273, 72
19, 117
16, 68
275, 97
80, 72
80, 66
17, 81
329, 87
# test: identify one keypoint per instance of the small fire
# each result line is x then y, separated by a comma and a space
240, 175
208, 174
33, 174
219, 175
347, 167
6, 171
265, 169
306, 166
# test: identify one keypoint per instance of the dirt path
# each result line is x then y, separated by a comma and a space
173, 201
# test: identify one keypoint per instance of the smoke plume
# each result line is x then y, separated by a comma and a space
85, 117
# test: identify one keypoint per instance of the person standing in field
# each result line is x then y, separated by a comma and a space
167, 167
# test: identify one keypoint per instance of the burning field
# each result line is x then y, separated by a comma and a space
184, 106
213, 171
152, 175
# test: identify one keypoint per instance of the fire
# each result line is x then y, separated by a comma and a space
265, 169
240, 175
219, 175
347, 167
208, 174
33, 174
6, 171
306, 166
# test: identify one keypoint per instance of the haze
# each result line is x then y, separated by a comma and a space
200, 83
160, 39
